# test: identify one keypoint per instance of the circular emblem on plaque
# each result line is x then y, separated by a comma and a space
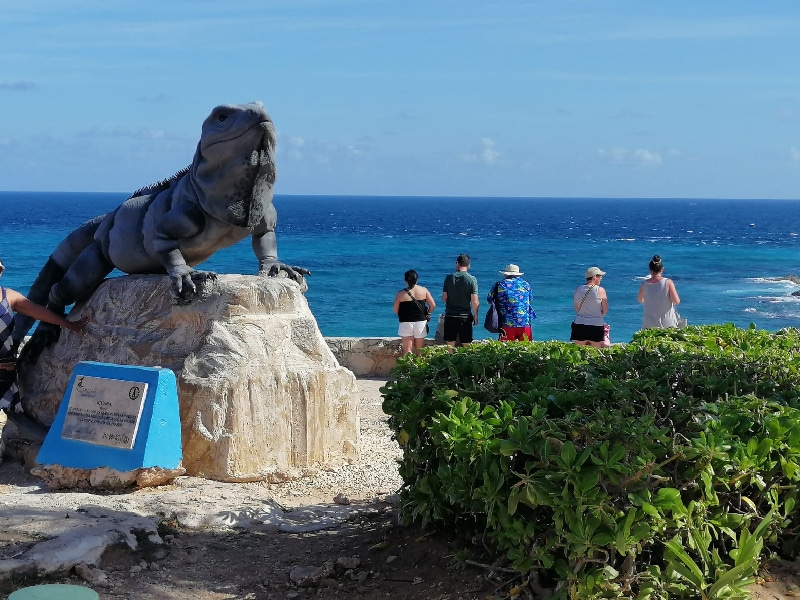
134, 392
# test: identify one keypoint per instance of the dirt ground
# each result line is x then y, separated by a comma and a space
366, 557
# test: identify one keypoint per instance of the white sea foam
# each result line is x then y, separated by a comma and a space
777, 299
781, 281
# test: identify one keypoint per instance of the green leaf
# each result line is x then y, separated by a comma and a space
568, 454
694, 573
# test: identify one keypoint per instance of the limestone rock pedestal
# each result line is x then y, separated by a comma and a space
261, 395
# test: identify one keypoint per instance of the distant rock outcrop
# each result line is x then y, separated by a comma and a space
261, 395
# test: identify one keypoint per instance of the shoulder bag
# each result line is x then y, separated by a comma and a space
492, 321
423, 309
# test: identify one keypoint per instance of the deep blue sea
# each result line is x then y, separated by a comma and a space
728, 258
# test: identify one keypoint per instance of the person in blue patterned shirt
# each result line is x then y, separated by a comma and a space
514, 298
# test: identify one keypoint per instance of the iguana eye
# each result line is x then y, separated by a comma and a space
222, 117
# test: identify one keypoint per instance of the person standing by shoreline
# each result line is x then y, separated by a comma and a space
659, 297
591, 305
460, 295
413, 306
514, 298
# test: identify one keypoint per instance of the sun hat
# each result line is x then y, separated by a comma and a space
512, 270
592, 271
2, 266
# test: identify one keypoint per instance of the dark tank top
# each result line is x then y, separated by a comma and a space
410, 311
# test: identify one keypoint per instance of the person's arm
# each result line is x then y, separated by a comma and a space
475, 304
397, 302
603, 302
21, 304
431, 303
641, 294
673, 293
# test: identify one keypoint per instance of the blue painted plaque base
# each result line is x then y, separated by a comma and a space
157, 441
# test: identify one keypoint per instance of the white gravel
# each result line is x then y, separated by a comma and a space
375, 474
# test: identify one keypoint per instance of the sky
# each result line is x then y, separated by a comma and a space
558, 98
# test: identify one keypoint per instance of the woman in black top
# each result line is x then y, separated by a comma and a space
413, 306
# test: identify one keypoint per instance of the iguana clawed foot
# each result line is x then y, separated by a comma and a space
185, 282
274, 268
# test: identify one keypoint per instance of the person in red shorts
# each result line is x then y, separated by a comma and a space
514, 298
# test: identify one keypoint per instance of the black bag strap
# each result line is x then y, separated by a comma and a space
417, 302
493, 295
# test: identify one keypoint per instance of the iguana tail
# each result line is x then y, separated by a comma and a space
53, 271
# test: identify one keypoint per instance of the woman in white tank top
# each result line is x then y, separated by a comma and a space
591, 305
659, 297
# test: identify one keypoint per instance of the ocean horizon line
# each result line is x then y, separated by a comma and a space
724, 254
127, 194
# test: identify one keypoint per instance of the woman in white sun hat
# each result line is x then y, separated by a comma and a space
591, 305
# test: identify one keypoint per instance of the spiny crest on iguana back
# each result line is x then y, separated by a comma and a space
160, 186
170, 227
174, 225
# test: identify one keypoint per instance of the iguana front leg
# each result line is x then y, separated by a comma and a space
184, 277
265, 247
177, 224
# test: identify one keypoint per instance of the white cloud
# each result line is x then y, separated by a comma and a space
17, 86
151, 134
296, 145
795, 154
321, 152
488, 156
646, 158
639, 157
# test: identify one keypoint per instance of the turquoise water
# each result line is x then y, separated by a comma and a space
728, 258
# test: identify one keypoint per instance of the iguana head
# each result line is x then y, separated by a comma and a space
233, 170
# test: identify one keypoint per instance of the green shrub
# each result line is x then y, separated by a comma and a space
663, 468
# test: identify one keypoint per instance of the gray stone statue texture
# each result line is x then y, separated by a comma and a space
224, 196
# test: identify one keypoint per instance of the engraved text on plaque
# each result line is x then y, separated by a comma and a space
104, 411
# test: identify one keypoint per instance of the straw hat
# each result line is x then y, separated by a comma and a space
592, 271
512, 271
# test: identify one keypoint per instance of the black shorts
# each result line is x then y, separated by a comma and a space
587, 333
457, 329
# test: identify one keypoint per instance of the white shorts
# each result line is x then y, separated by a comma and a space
413, 329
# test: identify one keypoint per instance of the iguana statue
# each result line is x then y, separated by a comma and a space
218, 200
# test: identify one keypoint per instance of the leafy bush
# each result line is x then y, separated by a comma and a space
663, 468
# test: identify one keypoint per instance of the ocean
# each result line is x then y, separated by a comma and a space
730, 259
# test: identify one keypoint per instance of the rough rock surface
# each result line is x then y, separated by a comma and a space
261, 395
370, 357
58, 477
